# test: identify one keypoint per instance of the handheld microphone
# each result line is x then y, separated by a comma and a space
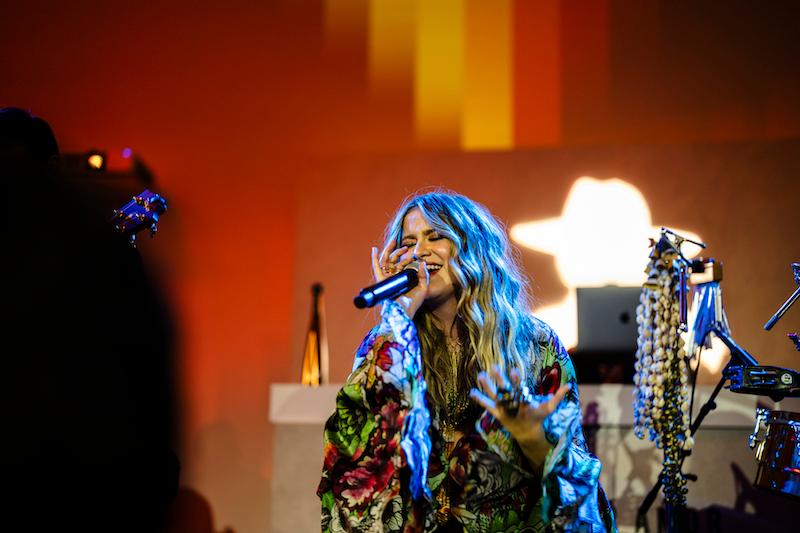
391, 287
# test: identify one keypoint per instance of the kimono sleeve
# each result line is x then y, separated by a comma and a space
379, 428
572, 497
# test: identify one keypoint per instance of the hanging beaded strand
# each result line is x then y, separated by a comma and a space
661, 394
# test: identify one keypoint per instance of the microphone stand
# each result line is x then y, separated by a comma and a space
788, 303
676, 518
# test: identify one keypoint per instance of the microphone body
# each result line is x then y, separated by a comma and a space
391, 287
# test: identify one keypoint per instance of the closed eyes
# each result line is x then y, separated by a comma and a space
431, 235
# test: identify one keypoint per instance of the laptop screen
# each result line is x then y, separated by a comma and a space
607, 319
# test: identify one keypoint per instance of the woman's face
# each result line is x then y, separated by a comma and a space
427, 245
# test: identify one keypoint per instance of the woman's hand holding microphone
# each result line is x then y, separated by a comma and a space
390, 262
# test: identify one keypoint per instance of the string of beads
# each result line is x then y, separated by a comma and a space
661, 393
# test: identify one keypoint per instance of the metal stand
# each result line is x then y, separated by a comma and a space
678, 514
788, 303
677, 518
647, 503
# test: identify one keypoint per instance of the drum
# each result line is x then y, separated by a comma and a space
775, 441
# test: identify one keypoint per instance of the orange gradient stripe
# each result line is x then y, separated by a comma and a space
586, 73
439, 72
537, 73
487, 114
344, 25
391, 47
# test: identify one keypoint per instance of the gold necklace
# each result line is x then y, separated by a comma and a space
457, 402
453, 415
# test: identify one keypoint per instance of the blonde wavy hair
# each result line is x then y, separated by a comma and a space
493, 313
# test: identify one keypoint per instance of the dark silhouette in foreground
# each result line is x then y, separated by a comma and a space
87, 347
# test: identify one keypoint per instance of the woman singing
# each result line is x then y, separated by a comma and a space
461, 413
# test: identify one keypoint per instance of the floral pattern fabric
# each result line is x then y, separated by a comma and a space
385, 456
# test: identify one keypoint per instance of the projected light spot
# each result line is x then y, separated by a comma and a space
601, 238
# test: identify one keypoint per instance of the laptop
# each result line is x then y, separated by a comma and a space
607, 318
607, 334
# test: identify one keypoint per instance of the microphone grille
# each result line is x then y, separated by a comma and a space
413, 265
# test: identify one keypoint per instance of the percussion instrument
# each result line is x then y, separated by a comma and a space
775, 441
773, 381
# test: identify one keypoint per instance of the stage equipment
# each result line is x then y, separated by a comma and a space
391, 287
778, 456
607, 319
661, 403
95, 161
795, 339
773, 381
116, 168
315, 357
606, 334
776, 440
788, 303
142, 212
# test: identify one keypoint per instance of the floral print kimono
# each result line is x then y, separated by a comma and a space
385, 458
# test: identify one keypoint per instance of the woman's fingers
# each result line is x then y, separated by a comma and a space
500, 378
496, 381
384, 257
487, 386
376, 265
403, 264
484, 401
393, 257
388, 261
553, 402
423, 277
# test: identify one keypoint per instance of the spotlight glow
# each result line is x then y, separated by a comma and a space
601, 238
